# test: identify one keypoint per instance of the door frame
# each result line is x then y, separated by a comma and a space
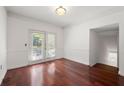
30, 62
118, 50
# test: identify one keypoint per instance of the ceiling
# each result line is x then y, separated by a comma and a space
74, 15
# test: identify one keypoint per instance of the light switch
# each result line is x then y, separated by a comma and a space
25, 44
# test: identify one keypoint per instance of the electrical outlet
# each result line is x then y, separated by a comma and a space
0, 67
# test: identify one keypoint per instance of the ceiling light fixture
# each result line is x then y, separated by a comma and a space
61, 11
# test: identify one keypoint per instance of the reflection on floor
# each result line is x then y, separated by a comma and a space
62, 72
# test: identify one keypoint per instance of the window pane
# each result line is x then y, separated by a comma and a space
50, 49
37, 46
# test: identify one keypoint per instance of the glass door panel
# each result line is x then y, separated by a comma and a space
37, 49
50, 45
42, 46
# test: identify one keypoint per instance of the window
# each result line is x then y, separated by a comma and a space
50, 46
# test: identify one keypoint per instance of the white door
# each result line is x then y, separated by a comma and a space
42, 47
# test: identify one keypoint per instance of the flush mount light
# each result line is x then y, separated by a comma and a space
60, 11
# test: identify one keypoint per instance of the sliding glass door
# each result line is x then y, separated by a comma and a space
42, 46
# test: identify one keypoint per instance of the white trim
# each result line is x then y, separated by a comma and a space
1, 79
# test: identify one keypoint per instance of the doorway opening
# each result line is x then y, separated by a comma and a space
104, 47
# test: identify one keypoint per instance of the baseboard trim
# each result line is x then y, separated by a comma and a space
1, 80
75, 61
120, 74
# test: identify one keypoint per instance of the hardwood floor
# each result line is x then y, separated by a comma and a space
107, 68
62, 72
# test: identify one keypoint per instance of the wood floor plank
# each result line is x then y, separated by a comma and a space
63, 72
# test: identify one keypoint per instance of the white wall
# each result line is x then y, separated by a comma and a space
108, 45
76, 45
3, 43
76, 39
18, 32
104, 48
94, 48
